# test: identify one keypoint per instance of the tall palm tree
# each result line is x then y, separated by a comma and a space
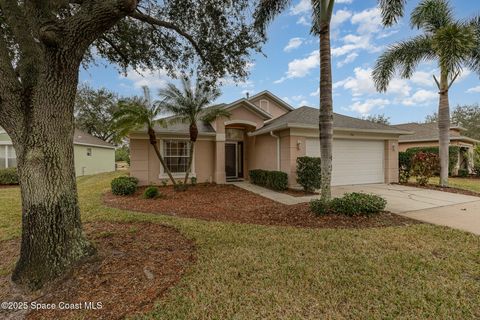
453, 44
322, 16
189, 105
137, 113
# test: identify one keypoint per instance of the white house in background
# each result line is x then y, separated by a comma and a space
92, 155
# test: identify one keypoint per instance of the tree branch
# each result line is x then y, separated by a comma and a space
436, 81
169, 25
117, 50
453, 79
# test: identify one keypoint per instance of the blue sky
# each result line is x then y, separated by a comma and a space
290, 69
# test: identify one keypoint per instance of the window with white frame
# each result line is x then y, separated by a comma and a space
8, 157
176, 153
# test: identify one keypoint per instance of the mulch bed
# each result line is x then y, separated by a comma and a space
299, 193
229, 203
136, 264
445, 189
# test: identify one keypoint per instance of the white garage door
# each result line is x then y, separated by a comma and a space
354, 161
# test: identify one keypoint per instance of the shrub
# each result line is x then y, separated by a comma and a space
453, 152
122, 154
123, 186
352, 204
309, 173
424, 166
404, 166
462, 173
151, 193
164, 182
193, 181
180, 186
320, 207
275, 180
8, 176
476, 161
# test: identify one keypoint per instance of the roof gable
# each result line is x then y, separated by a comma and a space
249, 106
267, 94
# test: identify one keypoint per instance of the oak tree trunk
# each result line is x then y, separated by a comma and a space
326, 111
52, 236
444, 129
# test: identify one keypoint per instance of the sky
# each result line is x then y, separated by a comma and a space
289, 67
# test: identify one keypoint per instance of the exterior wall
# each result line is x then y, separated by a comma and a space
391, 161
145, 166
4, 137
101, 160
264, 155
273, 108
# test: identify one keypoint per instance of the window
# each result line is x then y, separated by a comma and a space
12, 157
8, 157
176, 153
89, 152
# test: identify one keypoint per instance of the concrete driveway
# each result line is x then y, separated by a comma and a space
443, 208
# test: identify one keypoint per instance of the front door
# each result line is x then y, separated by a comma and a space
231, 164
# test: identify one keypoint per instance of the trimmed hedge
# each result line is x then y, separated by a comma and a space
425, 166
309, 173
404, 166
9, 176
275, 180
124, 186
351, 204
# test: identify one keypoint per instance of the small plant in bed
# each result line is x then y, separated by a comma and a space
151, 193
124, 186
351, 204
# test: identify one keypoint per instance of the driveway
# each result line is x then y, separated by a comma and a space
443, 208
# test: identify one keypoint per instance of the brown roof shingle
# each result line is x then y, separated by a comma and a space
428, 132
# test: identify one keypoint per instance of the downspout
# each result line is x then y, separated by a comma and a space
278, 149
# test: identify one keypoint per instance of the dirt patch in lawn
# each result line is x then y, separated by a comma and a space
9, 186
444, 189
229, 203
136, 264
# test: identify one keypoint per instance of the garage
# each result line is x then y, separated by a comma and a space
354, 161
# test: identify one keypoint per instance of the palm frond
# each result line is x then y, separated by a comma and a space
431, 15
473, 61
392, 11
403, 57
266, 11
214, 113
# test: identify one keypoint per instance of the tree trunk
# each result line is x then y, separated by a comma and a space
444, 129
153, 142
190, 161
326, 111
52, 236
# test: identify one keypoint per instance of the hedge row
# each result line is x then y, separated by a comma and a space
275, 180
454, 152
309, 171
351, 204
8, 176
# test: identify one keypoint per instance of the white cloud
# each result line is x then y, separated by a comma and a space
299, 68
344, 1
368, 21
420, 97
303, 21
474, 90
303, 103
154, 79
349, 59
293, 43
315, 93
366, 106
302, 7
423, 78
339, 17
298, 98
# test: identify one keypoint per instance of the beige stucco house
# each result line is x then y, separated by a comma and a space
264, 132
91, 155
426, 135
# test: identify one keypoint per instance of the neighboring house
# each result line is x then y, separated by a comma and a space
92, 155
426, 135
264, 132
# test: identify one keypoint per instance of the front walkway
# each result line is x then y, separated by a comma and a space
432, 206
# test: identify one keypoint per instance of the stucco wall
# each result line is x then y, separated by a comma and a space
273, 108
145, 165
101, 160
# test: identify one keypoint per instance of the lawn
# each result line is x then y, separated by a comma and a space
265, 272
465, 183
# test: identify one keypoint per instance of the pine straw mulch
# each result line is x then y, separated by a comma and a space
136, 265
229, 203
444, 189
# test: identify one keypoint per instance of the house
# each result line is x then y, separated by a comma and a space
426, 135
92, 155
264, 132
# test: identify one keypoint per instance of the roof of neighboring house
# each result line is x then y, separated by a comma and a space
83, 138
307, 117
429, 132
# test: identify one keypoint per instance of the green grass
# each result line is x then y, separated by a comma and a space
464, 183
259, 272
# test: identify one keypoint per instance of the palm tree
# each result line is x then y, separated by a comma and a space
322, 15
453, 44
137, 113
189, 105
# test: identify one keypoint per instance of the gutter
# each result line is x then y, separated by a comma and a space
278, 149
